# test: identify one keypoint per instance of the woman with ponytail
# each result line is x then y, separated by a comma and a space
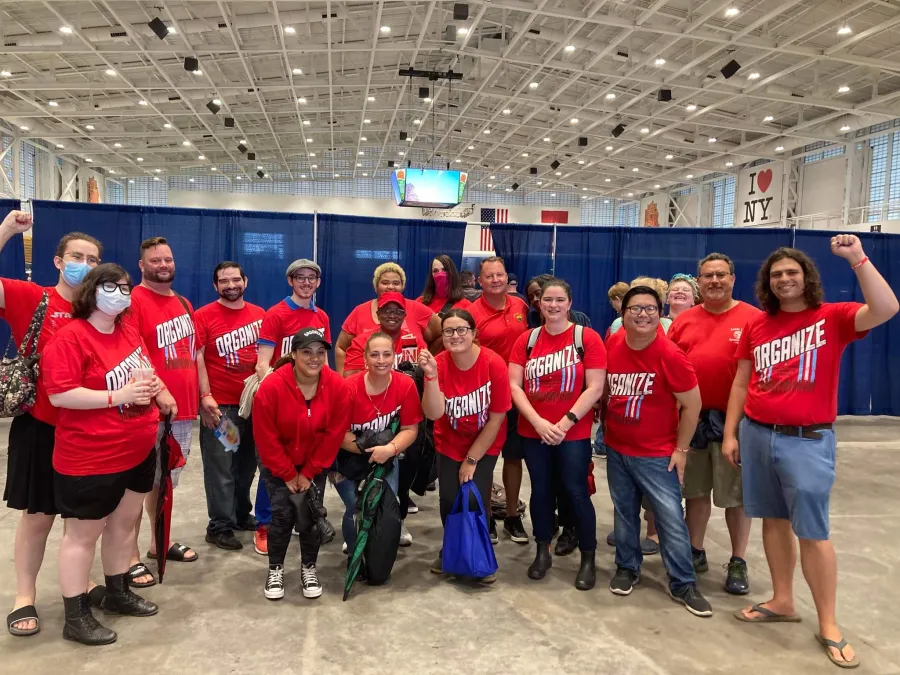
300, 414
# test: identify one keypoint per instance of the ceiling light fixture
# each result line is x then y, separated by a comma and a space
155, 170
359, 165
540, 182
131, 181
167, 125
301, 100
309, 140
631, 194
371, 99
753, 76
66, 30
645, 130
117, 145
609, 148
201, 157
367, 121
462, 30
360, 153
140, 159
88, 159
845, 127
713, 139
729, 164
198, 72
689, 176
844, 30
524, 154
6, 73
574, 120
60, 146
417, 122
610, 96
533, 85
581, 161
471, 147
569, 48
487, 132
492, 177
290, 30
427, 99
363, 139
385, 29
297, 71
190, 180
690, 107
109, 72
779, 148
546, 139
185, 143
507, 111
670, 156
313, 166
155, 178
732, 12
53, 104
660, 62
768, 118
143, 102
212, 168
635, 169
23, 127
506, 167
657, 186
89, 127
559, 173
607, 180
843, 89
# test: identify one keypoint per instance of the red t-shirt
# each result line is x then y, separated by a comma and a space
22, 299
469, 395
228, 339
498, 329
709, 340
642, 412
406, 348
282, 322
361, 323
437, 304
167, 329
796, 359
554, 376
104, 440
377, 412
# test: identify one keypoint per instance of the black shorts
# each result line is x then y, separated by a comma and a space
95, 497
29, 466
512, 447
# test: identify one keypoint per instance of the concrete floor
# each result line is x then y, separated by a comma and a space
214, 618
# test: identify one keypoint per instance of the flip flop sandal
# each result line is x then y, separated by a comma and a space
768, 616
26, 613
649, 547
826, 643
176, 553
140, 570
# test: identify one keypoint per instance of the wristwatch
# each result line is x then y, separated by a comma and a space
470, 460
572, 416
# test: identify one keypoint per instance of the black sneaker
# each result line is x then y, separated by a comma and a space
567, 542
495, 538
310, 579
693, 602
701, 564
624, 581
431, 487
737, 582
514, 529
224, 540
248, 525
275, 583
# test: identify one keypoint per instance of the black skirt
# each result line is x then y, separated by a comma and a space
29, 468
95, 497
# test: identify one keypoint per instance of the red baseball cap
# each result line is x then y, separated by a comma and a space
392, 296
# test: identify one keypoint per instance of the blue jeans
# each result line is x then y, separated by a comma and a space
566, 466
262, 508
227, 476
347, 489
629, 479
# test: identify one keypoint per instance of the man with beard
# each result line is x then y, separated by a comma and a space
227, 333
280, 323
783, 403
165, 321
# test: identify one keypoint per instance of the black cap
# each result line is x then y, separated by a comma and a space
306, 336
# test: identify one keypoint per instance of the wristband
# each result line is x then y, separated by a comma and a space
201, 395
109, 398
862, 262
430, 379
684, 450
396, 449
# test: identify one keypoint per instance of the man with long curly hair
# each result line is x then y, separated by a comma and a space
785, 390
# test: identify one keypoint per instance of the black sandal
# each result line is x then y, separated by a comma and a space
26, 613
96, 595
140, 570
176, 553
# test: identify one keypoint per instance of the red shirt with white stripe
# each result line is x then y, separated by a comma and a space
228, 339
283, 320
796, 360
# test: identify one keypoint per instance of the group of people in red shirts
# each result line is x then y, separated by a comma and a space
732, 402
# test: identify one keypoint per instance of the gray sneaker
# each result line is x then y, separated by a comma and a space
693, 602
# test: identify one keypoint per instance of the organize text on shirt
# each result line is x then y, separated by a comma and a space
171, 331
473, 403
550, 363
790, 347
630, 384
118, 376
239, 338
380, 423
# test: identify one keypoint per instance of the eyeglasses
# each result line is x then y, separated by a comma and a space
305, 280
651, 310
109, 287
462, 331
392, 311
91, 260
709, 276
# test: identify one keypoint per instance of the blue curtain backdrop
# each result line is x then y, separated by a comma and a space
527, 250
12, 261
351, 247
591, 259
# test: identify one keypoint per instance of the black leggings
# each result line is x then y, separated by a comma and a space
448, 482
283, 523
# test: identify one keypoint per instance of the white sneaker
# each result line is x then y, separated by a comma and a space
413, 508
344, 548
311, 586
405, 536
275, 583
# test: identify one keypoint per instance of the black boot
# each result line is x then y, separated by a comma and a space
587, 573
122, 600
543, 561
81, 625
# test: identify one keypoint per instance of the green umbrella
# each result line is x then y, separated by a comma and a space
372, 493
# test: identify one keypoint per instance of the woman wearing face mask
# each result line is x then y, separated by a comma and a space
555, 384
97, 373
394, 321
683, 294
380, 395
300, 414
363, 320
443, 288
467, 394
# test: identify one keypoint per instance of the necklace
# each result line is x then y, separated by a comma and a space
383, 394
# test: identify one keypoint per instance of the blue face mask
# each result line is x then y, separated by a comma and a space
74, 273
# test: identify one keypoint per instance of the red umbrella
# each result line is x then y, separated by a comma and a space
170, 457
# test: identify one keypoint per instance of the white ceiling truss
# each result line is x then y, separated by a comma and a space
315, 91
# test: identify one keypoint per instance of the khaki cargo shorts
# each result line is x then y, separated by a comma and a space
707, 471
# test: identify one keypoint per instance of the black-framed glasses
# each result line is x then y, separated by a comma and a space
109, 287
462, 331
91, 260
709, 276
305, 279
392, 311
651, 310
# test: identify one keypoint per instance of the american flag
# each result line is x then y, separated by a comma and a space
494, 215
487, 241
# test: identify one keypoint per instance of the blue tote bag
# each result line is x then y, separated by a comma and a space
467, 543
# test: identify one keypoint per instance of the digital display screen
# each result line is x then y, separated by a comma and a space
430, 188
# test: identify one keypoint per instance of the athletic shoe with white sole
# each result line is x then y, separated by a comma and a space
310, 579
413, 507
405, 536
693, 602
624, 581
275, 583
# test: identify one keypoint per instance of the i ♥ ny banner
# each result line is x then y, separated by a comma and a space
758, 199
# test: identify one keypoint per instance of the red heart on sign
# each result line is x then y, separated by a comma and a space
764, 180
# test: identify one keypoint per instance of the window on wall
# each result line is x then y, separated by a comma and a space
6, 165
27, 172
628, 214
723, 202
894, 186
878, 176
115, 192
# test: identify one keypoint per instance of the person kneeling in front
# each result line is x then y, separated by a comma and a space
97, 373
300, 414
648, 376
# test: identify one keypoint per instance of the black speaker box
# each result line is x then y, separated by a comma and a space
730, 69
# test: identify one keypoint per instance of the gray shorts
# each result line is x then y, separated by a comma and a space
182, 431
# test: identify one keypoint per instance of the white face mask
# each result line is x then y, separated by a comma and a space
112, 302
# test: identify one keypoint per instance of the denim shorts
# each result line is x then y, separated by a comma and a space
788, 477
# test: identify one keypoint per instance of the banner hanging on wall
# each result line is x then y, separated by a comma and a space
758, 198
